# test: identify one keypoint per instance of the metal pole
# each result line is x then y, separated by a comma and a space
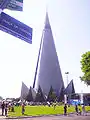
65, 99
81, 96
65, 96
67, 76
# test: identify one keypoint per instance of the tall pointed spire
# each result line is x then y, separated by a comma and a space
47, 23
49, 70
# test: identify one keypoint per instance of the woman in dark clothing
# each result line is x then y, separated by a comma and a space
65, 109
3, 107
76, 109
6, 109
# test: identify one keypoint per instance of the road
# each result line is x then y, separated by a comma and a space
59, 117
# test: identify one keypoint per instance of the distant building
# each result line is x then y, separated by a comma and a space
49, 70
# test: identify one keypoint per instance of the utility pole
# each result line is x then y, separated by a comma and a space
67, 77
65, 96
81, 97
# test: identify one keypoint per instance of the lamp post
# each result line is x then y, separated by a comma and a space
67, 76
65, 99
81, 97
65, 96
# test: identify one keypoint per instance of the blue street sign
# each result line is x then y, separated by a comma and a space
16, 28
16, 5
3, 4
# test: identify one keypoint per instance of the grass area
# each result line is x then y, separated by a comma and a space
42, 110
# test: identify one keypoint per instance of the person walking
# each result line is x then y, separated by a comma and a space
76, 109
9, 106
65, 109
23, 108
83, 110
6, 107
12, 107
3, 107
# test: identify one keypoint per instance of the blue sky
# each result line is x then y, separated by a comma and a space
70, 23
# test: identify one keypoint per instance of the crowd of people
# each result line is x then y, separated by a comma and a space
7, 106
77, 109
10, 107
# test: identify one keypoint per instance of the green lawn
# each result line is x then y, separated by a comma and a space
41, 110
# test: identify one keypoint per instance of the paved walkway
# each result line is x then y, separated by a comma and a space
60, 118
70, 117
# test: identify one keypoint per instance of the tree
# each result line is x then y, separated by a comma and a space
51, 95
61, 96
85, 67
29, 97
39, 95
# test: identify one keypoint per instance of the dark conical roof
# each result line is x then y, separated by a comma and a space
70, 88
